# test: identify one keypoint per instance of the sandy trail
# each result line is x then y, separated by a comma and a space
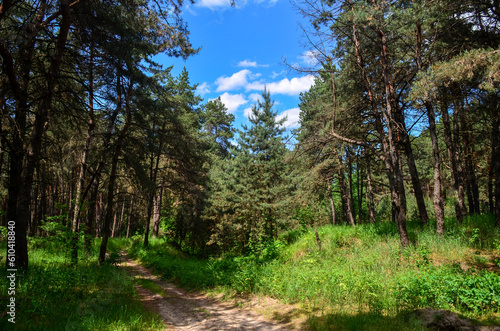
182, 310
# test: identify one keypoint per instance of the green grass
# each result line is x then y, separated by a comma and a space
360, 278
55, 295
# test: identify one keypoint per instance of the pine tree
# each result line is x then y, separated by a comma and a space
217, 124
245, 189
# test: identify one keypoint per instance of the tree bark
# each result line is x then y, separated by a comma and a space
452, 155
332, 205
115, 218
92, 212
437, 199
157, 211
391, 156
472, 186
84, 157
129, 216
437, 193
155, 163
371, 204
395, 133
360, 190
113, 173
346, 199
350, 188
415, 179
18, 211
495, 158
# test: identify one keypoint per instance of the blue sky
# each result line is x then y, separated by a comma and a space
243, 48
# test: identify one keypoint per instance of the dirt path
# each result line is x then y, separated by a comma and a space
182, 310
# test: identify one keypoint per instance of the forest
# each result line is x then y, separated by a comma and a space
393, 175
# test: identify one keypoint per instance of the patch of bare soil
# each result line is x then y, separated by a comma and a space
182, 310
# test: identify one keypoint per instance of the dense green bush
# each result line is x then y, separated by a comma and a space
451, 288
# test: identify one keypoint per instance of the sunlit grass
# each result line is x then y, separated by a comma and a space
55, 295
359, 277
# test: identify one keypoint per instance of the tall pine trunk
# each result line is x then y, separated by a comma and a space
345, 196
157, 211
112, 177
395, 134
332, 204
369, 192
391, 156
83, 160
453, 157
437, 193
495, 158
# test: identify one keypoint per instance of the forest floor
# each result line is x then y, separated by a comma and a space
182, 310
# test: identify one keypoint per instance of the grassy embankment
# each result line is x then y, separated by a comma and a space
360, 278
54, 295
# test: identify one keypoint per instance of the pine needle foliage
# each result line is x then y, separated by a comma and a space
245, 188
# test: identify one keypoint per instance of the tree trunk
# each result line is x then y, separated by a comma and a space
19, 82
115, 218
79, 187
415, 180
92, 213
495, 158
437, 193
120, 221
99, 215
112, 176
157, 212
346, 199
360, 191
129, 216
452, 154
350, 189
84, 157
472, 187
155, 163
395, 133
332, 205
371, 204
459, 158
386, 135
148, 219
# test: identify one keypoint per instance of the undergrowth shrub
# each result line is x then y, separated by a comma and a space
451, 288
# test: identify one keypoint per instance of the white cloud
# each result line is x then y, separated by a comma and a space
292, 116
310, 58
285, 86
213, 4
253, 64
247, 112
232, 101
276, 74
237, 80
247, 63
203, 88
267, 2
255, 97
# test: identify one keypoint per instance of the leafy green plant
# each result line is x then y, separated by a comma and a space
424, 252
475, 237
449, 288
